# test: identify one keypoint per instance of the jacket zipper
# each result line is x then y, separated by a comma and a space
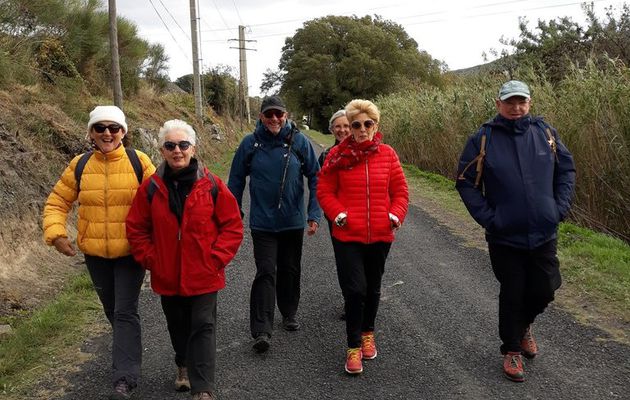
106, 198
367, 182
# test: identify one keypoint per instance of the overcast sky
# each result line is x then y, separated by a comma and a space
457, 32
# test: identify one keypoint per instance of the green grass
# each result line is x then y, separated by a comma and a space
39, 340
597, 265
320, 138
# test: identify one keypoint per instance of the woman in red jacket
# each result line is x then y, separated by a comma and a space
185, 226
362, 188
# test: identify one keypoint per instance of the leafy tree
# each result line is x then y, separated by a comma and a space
220, 89
334, 59
155, 67
554, 47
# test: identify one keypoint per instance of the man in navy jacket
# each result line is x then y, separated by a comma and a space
276, 157
519, 195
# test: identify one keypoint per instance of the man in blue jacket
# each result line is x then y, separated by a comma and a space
519, 191
276, 157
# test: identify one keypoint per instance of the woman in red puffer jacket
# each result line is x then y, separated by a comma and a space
362, 188
185, 227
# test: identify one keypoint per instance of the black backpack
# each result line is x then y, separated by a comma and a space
131, 155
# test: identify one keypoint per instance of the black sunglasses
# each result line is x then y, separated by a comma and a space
100, 128
368, 123
183, 145
271, 113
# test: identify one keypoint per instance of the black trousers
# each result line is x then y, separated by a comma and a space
278, 257
529, 279
360, 269
191, 325
117, 282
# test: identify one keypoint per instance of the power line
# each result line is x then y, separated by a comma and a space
169, 31
174, 20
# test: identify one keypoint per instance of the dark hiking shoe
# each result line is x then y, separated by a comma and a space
513, 367
290, 324
122, 391
261, 343
529, 348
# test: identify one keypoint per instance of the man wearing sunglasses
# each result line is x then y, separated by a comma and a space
276, 157
518, 187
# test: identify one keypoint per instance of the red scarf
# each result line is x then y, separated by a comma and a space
349, 153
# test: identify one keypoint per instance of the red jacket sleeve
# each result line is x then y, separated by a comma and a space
229, 224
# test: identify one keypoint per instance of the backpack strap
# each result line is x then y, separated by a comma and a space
153, 186
214, 192
135, 163
131, 154
478, 161
78, 171
551, 139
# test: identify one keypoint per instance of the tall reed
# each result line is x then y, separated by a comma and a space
590, 109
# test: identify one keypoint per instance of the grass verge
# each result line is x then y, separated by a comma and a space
40, 340
320, 138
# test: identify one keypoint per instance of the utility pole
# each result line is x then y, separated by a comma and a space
243, 86
195, 52
113, 48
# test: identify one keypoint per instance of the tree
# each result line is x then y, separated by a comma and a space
555, 46
155, 67
334, 59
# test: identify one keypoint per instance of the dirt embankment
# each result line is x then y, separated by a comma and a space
38, 137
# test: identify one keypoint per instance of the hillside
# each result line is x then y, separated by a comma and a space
41, 129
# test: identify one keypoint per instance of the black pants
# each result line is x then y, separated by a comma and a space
360, 269
191, 325
117, 282
528, 281
278, 257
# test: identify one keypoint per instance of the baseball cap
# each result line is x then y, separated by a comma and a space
513, 88
272, 103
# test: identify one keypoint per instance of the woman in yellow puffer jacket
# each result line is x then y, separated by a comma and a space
108, 182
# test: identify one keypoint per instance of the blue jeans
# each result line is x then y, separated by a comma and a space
117, 282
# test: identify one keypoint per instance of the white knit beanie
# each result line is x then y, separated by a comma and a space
107, 113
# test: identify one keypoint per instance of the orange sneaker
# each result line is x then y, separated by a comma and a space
513, 367
368, 346
353, 361
529, 349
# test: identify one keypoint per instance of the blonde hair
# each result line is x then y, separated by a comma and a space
359, 106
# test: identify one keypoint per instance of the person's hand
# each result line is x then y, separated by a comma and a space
394, 221
312, 228
340, 220
64, 246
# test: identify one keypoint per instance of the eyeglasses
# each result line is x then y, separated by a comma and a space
368, 123
271, 113
100, 128
183, 145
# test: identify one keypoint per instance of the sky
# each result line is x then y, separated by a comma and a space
457, 32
